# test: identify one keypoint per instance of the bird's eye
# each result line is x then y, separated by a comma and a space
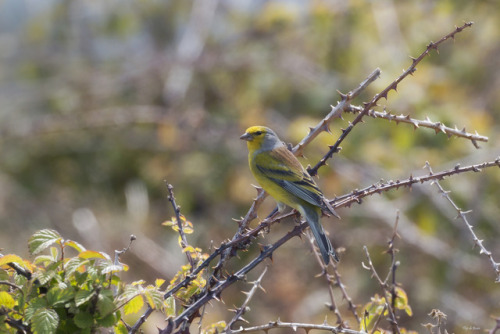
258, 133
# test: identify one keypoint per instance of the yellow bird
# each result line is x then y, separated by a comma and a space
283, 177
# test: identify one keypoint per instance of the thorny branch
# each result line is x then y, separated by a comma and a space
463, 215
332, 281
427, 123
385, 288
215, 291
177, 211
383, 94
294, 326
244, 307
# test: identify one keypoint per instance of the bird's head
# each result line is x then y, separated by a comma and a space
261, 138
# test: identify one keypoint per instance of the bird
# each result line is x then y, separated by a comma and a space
283, 177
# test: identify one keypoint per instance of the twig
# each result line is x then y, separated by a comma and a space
385, 290
427, 123
356, 195
117, 262
293, 326
463, 215
497, 326
350, 305
243, 308
383, 94
214, 292
330, 282
336, 112
177, 211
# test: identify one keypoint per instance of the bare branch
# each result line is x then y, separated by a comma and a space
243, 308
356, 195
336, 112
294, 326
427, 123
463, 215
383, 94
177, 211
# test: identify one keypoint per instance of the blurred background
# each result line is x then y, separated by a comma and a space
102, 101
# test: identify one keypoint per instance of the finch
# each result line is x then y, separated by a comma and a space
283, 177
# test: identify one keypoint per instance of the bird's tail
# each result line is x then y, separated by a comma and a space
311, 214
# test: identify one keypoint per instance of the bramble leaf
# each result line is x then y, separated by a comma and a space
43, 239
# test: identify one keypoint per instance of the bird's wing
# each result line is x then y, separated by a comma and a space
283, 168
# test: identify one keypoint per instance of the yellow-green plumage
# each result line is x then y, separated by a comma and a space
281, 175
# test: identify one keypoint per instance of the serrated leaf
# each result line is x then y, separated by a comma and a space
58, 296
4, 275
105, 305
154, 298
43, 259
44, 321
215, 328
84, 320
54, 253
169, 305
73, 264
140, 282
120, 329
108, 268
93, 255
42, 239
75, 245
107, 321
6, 300
159, 282
11, 258
134, 305
83, 296
34, 305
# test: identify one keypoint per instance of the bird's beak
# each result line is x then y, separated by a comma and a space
246, 136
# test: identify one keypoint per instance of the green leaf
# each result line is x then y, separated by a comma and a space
54, 252
154, 298
83, 296
120, 329
105, 305
57, 296
134, 305
169, 305
109, 267
84, 320
94, 255
44, 321
43, 259
33, 306
214, 328
43, 239
6, 300
159, 282
50, 272
107, 321
75, 245
73, 264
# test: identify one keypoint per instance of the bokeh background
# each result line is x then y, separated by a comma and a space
101, 101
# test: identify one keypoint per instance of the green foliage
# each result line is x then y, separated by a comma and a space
68, 294
83, 293
377, 308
